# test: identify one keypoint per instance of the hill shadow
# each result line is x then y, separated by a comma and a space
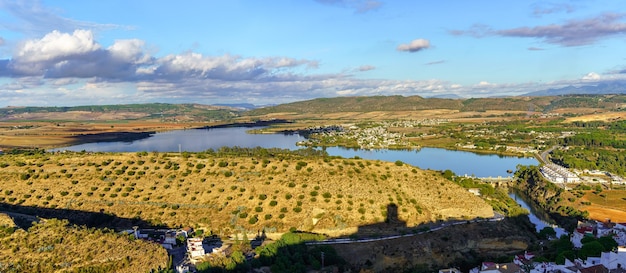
83, 218
388, 246
392, 224
82, 138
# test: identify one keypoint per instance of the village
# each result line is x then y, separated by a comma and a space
607, 262
189, 247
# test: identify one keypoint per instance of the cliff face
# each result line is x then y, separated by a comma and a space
548, 196
461, 246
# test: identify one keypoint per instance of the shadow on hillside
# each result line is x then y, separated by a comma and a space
389, 246
81, 138
83, 218
392, 225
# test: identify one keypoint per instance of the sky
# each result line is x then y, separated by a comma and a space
68, 53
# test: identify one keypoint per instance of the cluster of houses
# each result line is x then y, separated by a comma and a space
558, 174
366, 138
599, 229
608, 262
165, 237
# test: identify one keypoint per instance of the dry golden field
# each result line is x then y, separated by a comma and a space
326, 195
611, 206
603, 116
58, 134
6, 220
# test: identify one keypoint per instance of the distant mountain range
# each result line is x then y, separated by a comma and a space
616, 87
446, 96
242, 106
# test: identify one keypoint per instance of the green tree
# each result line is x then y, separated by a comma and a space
608, 243
547, 233
591, 249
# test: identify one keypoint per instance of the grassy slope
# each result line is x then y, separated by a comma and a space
159, 111
335, 195
53, 246
414, 103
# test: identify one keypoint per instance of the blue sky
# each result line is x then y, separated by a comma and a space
63, 53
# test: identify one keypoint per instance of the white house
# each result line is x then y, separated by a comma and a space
195, 248
614, 260
580, 233
449, 270
170, 237
489, 267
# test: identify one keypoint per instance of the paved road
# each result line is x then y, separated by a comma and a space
436, 228
178, 255
544, 155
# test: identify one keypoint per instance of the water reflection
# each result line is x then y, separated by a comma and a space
194, 140
197, 140
460, 162
537, 216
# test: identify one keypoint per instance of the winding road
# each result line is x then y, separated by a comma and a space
496, 218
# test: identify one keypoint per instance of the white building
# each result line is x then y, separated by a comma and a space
614, 260
195, 248
558, 174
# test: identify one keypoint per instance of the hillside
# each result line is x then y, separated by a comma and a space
149, 111
613, 87
415, 103
251, 189
55, 246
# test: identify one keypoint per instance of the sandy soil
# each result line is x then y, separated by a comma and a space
609, 116
601, 214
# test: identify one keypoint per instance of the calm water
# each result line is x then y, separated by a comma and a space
538, 217
194, 140
461, 163
197, 140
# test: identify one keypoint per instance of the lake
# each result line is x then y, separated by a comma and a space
197, 140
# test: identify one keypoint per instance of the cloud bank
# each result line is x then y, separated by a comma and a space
571, 33
73, 68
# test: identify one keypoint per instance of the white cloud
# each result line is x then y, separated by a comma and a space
571, 33
56, 45
591, 76
33, 18
73, 68
131, 50
414, 46
364, 68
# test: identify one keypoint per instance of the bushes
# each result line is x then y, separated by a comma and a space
253, 220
